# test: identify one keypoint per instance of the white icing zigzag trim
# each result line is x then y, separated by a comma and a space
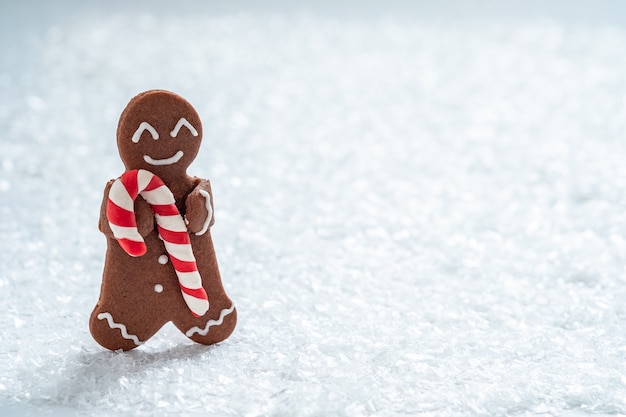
114, 325
210, 323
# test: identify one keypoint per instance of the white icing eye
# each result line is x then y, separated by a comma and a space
145, 126
183, 122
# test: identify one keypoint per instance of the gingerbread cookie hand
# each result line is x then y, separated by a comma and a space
199, 206
143, 214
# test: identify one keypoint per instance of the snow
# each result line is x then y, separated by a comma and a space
412, 216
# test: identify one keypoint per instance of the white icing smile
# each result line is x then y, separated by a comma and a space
167, 161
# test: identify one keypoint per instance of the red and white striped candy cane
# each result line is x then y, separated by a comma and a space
170, 224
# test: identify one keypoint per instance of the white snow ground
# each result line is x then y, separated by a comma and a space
414, 216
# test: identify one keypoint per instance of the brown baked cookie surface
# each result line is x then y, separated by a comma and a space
160, 263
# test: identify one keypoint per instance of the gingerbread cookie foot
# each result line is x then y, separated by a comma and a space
112, 334
211, 330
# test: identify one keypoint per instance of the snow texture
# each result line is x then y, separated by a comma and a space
412, 217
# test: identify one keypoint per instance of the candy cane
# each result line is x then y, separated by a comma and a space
170, 224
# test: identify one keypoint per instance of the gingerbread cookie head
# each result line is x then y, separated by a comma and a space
159, 131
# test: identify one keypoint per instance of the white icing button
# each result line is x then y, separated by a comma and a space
158, 288
163, 259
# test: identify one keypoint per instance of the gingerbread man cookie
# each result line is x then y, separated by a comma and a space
160, 263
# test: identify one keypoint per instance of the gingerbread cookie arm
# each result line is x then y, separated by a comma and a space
143, 215
199, 208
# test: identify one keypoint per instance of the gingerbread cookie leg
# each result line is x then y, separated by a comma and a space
214, 327
136, 313
220, 321
114, 330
